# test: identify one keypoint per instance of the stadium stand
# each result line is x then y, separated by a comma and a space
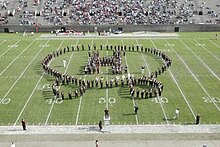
65, 12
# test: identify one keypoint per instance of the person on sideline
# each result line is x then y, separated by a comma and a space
100, 125
96, 143
23, 123
177, 113
12, 144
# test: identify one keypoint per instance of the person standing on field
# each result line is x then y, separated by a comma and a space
135, 110
64, 63
12, 144
23, 123
177, 113
197, 119
96, 143
100, 125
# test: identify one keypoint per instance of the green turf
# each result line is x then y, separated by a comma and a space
190, 84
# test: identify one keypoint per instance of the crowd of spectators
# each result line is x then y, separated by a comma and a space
101, 12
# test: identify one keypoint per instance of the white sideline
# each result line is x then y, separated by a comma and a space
196, 78
8, 48
17, 57
178, 86
208, 50
21, 74
200, 59
129, 73
161, 105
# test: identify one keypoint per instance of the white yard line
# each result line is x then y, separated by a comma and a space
197, 80
22, 74
106, 95
178, 86
17, 57
8, 48
214, 43
200, 59
161, 105
31, 94
29, 98
143, 58
208, 50
129, 74
81, 98
79, 107
51, 108
80, 102
2, 42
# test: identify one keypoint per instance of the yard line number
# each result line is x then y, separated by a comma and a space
46, 87
211, 99
111, 100
56, 101
160, 100
5, 101
14, 45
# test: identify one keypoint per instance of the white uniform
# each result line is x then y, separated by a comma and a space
177, 113
142, 70
64, 63
12, 144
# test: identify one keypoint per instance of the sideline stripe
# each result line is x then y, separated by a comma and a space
161, 105
178, 86
196, 78
136, 117
200, 59
18, 57
21, 74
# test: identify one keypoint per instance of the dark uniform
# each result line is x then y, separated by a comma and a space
136, 109
197, 119
100, 125
23, 123
62, 95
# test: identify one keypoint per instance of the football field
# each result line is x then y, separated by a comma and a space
191, 83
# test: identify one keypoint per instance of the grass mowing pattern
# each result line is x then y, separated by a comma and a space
191, 83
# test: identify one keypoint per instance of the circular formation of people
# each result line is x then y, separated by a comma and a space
152, 86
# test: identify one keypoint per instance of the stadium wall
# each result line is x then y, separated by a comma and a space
125, 28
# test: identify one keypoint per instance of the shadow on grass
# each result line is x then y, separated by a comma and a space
38, 69
92, 129
128, 114
189, 123
168, 119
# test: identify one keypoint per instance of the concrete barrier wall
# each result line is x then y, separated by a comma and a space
126, 28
